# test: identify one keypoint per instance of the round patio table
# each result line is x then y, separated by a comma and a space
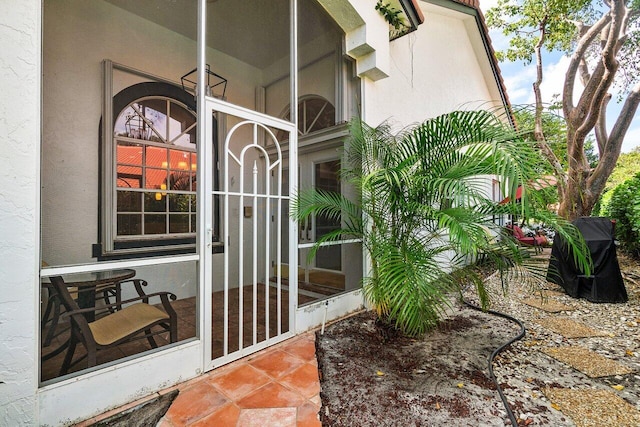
89, 284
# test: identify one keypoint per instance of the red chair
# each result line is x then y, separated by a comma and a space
537, 241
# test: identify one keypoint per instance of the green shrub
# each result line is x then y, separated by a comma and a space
601, 208
624, 207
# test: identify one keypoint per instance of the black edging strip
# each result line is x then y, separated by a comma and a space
497, 351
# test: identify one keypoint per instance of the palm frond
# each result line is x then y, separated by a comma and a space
423, 211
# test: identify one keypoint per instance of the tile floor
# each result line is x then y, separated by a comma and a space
278, 386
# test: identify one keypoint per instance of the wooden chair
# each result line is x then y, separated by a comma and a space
132, 319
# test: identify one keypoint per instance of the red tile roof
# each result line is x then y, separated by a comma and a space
417, 10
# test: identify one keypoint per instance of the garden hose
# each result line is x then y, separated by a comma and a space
497, 351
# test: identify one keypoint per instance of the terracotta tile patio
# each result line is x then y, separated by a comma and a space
278, 386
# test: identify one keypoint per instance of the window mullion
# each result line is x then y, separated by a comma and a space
303, 119
167, 216
183, 133
318, 116
168, 120
148, 122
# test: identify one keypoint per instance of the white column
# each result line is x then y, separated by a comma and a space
20, 86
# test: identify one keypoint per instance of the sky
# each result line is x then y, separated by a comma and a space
519, 77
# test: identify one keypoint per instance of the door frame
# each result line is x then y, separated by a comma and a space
253, 118
326, 145
308, 178
318, 313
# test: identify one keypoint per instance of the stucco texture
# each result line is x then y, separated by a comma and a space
434, 70
19, 155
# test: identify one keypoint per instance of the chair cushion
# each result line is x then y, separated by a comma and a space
517, 231
125, 322
527, 240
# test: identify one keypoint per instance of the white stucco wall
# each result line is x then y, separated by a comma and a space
19, 208
439, 68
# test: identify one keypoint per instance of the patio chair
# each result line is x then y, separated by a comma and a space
537, 241
53, 309
132, 319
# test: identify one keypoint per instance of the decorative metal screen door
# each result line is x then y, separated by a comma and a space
252, 305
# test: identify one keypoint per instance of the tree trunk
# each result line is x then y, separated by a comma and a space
576, 202
584, 185
576, 199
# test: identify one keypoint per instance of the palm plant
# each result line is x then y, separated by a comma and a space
424, 211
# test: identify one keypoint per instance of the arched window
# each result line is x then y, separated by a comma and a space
156, 164
153, 182
314, 113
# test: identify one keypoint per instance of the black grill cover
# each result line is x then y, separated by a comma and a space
605, 284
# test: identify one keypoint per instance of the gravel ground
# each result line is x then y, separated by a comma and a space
442, 379
527, 373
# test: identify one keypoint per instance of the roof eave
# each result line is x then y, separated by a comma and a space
491, 53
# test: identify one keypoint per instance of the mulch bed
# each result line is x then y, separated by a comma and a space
371, 379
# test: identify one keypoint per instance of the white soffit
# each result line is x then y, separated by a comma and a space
475, 38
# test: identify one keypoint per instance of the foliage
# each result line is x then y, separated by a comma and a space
602, 43
555, 133
624, 207
424, 211
520, 20
627, 166
601, 208
393, 18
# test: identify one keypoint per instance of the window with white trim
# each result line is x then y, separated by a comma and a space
314, 113
152, 175
156, 164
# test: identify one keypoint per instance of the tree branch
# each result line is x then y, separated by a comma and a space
590, 86
628, 15
538, 132
601, 126
576, 58
585, 76
551, 158
610, 64
610, 156
627, 114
